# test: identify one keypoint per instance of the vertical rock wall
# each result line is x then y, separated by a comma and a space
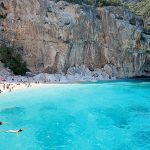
53, 37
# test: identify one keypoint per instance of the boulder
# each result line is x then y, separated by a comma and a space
108, 69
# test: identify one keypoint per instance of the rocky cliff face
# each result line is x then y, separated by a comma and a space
53, 37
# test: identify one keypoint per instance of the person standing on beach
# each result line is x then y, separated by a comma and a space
4, 87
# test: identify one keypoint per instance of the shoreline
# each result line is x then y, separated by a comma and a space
11, 87
74, 75
7, 86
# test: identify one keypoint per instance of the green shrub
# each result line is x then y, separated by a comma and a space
3, 16
146, 30
141, 8
12, 60
49, 9
147, 27
132, 21
73, 1
98, 17
119, 17
109, 3
95, 2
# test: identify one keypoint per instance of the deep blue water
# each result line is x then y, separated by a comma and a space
98, 116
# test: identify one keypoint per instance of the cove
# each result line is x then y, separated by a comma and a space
97, 116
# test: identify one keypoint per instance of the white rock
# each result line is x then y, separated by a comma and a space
63, 79
108, 69
105, 76
70, 78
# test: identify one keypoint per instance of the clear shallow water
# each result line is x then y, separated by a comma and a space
99, 116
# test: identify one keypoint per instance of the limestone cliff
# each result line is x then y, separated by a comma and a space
53, 37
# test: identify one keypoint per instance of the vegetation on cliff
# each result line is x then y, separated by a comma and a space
95, 2
141, 8
147, 30
12, 60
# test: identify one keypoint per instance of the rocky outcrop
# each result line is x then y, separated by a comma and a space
4, 72
56, 37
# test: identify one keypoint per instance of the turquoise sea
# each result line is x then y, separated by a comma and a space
96, 116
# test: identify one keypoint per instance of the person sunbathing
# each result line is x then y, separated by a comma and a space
13, 131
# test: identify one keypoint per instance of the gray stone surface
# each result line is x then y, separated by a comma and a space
56, 36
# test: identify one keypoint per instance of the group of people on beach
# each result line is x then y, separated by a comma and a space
11, 131
9, 87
